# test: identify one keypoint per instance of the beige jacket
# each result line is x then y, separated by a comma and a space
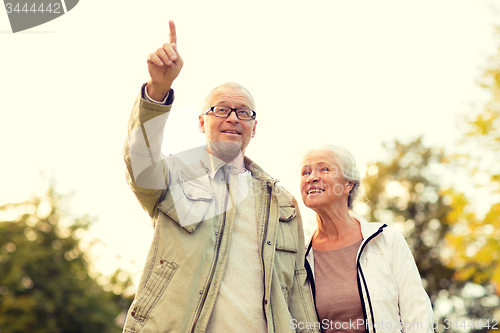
186, 261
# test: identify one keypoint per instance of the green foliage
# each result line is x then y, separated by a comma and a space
45, 281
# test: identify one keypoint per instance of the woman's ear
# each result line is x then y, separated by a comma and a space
349, 186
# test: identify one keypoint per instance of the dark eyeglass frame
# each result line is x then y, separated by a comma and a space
235, 110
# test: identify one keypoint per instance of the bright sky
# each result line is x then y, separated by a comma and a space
350, 73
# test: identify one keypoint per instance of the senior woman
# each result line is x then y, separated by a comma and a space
363, 275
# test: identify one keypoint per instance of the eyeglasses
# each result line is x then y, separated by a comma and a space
225, 111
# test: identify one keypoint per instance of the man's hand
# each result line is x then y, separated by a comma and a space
164, 65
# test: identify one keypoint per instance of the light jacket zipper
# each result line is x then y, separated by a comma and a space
360, 291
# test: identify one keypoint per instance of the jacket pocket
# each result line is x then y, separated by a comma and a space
377, 268
153, 289
287, 213
286, 239
286, 245
187, 202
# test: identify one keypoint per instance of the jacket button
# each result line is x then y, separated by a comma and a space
161, 261
293, 206
201, 292
269, 243
265, 301
216, 233
133, 313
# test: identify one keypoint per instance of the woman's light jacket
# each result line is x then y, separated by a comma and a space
389, 284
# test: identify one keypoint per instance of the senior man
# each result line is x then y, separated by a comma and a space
228, 247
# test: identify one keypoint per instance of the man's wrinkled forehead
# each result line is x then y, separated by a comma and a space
232, 95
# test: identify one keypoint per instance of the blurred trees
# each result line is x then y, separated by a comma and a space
448, 208
476, 235
407, 193
46, 284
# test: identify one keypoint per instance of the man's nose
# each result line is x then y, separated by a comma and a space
232, 116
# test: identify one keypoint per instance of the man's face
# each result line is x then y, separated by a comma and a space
228, 136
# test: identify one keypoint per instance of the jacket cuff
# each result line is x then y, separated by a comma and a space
168, 100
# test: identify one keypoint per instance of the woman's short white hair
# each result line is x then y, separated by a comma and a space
347, 164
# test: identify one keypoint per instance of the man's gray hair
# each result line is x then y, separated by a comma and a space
347, 164
208, 99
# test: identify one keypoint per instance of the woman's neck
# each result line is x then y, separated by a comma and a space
336, 228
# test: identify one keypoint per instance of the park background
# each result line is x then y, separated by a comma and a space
410, 88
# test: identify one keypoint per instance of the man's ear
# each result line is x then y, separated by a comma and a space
201, 123
253, 129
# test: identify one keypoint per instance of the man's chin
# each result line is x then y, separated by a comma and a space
226, 151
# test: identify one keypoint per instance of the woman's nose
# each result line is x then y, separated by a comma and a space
313, 177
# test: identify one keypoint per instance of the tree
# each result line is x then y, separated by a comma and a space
45, 281
407, 193
476, 235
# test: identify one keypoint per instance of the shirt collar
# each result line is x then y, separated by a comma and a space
212, 165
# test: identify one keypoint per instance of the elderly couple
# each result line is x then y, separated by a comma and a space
228, 252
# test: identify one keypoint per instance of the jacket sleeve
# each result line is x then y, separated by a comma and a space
414, 304
301, 303
146, 170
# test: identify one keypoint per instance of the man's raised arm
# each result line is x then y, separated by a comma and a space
146, 172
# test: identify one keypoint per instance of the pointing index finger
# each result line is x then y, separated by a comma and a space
172, 36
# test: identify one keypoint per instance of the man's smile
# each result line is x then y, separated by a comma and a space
231, 132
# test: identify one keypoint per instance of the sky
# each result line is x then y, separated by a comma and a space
356, 74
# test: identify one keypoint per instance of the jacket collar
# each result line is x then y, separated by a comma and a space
368, 229
259, 173
212, 164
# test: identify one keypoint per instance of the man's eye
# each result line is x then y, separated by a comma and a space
245, 112
221, 109
304, 173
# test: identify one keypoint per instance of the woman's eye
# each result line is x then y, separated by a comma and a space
325, 169
305, 173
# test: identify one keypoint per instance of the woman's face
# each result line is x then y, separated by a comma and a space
322, 182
